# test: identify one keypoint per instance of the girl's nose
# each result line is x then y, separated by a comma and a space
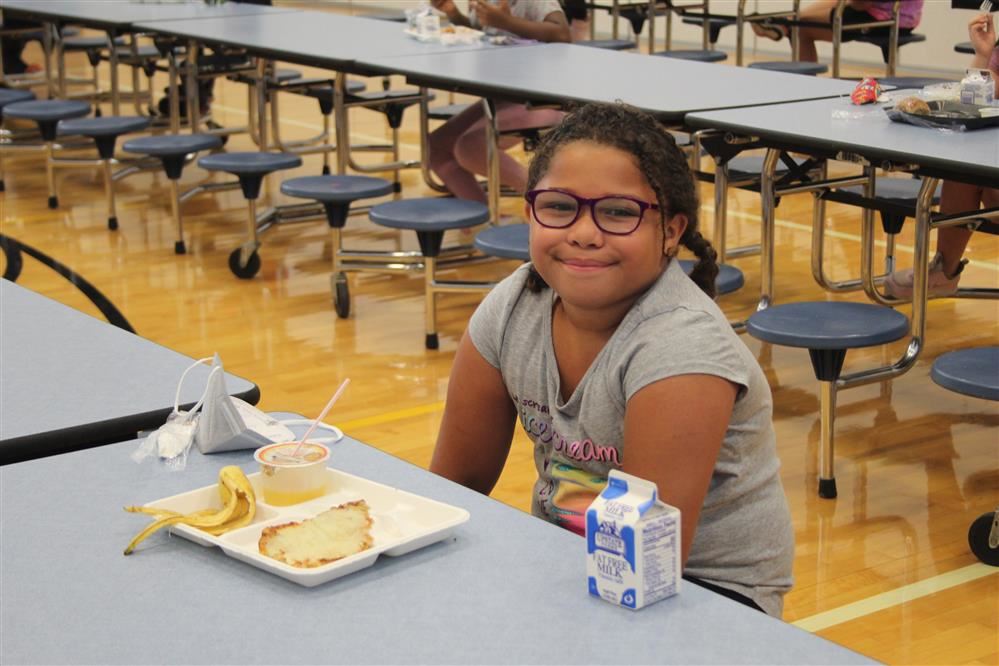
584, 231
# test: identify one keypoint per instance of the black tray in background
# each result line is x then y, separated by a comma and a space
947, 114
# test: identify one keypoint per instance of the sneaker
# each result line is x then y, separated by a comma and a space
899, 284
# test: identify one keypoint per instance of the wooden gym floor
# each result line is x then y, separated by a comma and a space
884, 569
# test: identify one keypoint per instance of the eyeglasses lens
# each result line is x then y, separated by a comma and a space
557, 209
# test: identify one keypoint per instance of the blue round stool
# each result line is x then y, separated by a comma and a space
172, 150
791, 67
897, 191
46, 114
974, 372
729, 278
609, 44
336, 194
697, 55
508, 241
11, 96
827, 330
105, 132
250, 168
430, 218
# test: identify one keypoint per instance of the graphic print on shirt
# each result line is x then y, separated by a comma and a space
564, 490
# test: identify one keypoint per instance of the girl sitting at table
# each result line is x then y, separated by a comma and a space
611, 357
856, 11
947, 264
458, 147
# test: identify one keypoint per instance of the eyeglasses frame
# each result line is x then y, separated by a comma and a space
583, 202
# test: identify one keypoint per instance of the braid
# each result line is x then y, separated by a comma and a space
706, 269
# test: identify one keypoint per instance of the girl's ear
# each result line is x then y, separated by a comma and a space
675, 227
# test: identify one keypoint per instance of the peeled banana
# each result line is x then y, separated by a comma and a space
239, 506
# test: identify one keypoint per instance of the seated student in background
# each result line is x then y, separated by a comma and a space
856, 11
611, 357
947, 263
458, 147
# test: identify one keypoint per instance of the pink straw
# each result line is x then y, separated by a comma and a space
322, 414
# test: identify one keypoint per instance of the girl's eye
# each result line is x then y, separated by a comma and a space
558, 206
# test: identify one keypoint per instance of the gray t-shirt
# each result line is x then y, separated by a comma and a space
744, 538
532, 10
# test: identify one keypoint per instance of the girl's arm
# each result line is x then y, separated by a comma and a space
554, 27
673, 431
478, 422
982, 33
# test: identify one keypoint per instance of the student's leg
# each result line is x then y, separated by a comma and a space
443, 142
471, 146
945, 268
820, 11
952, 241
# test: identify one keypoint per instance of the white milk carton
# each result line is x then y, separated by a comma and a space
977, 87
632, 543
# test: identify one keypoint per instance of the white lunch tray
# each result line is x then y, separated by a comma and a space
401, 522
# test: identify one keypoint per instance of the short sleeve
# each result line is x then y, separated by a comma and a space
683, 342
488, 323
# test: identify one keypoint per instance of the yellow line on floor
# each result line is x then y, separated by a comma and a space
797, 226
901, 595
388, 417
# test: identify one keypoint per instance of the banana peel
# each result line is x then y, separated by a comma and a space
239, 506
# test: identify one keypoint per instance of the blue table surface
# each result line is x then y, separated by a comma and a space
836, 124
62, 371
321, 39
506, 588
121, 14
666, 87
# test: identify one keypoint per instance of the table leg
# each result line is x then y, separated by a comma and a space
113, 63
768, 200
493, 159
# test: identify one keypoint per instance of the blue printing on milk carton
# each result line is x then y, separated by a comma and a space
612, 547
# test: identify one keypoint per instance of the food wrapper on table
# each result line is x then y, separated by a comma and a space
866, 92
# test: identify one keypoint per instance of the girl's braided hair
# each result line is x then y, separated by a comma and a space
660, 160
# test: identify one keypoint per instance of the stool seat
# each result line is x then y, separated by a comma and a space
973, 372
912, 81
170, 145
249, 163
750, 166
715, 25
89, 42
47, 110
729, 278
387, 95
609, 44
430, 214
11, 96
336, 188
282, 74
790, 67
447, 111
104, 126
509, 241
896, 190
141, 51
698, 55
964, 47
828, 325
